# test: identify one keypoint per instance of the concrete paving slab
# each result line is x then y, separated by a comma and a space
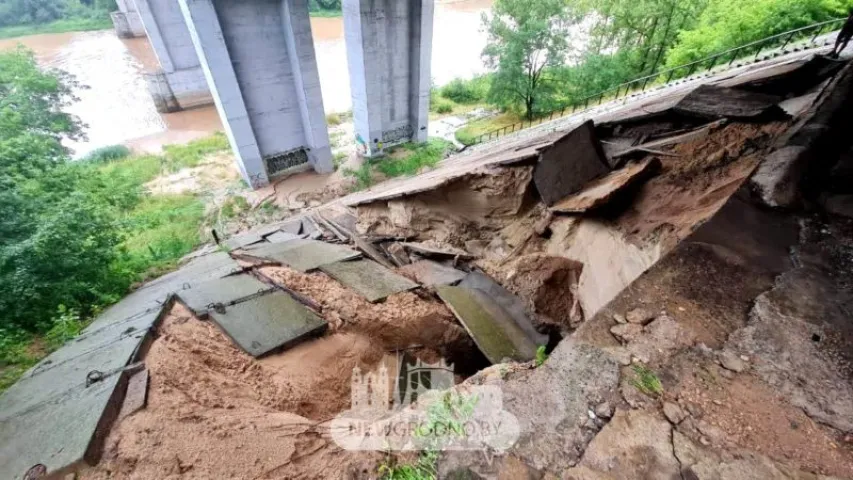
571, 162
268, 323
243, 240
304, 255
136, 396
226, 291
97, 339
430, 273
369, 279
494, 332
279, 237
58, 433
56, 381
510, 303
215, 265
709, 101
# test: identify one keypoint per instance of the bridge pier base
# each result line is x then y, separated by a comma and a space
258, 58
126, 20
389, 50
180, 84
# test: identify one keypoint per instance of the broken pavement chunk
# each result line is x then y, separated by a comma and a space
710, 101
431, 274
280, 237
567, 165
226, 291
303, 255
243, 240
492, 329
444, 251
599, 192
270, 322
369, 279
137, 394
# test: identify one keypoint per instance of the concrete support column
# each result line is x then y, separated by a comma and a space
126, 20
258, 58
389, 50
180, 84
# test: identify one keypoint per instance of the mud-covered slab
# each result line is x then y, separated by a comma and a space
267, 323
68, 375
304, 255
599, 192
369, 279
60, 432
492, 329
709, 101
567, 165
511, 304
225, 291
431, 274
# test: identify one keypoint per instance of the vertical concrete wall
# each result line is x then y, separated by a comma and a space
181, 83
389, 49
258, 58
126, 20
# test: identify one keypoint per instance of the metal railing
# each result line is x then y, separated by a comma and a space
640, 84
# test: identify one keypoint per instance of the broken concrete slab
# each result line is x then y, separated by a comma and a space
444, 251
215, 265
293, 227
304, 255
56, 381
777, 180
601, 191
267, 323
431, 274
243, 240
60, 433
567, 165
280, 237
709, 101
492, 329
369, 279
511, 304
136, 396
226, 291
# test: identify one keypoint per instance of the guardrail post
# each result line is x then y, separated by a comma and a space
668, 78
787, 41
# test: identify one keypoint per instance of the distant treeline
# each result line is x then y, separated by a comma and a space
40, 12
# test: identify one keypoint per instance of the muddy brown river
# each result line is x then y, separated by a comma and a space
113, 100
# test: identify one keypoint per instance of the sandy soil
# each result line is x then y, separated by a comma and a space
216, 412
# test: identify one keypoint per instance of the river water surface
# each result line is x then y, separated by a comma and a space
114, 104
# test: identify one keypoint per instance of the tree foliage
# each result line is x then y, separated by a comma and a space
38, 12
525, 40
726, 24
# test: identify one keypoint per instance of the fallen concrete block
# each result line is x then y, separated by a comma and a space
569, 164
264, 324
136, 396
601, 191
302, 254
777, 180
226, 291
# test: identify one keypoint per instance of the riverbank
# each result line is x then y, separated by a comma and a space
59, 26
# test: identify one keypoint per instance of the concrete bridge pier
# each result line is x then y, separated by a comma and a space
258, 58
126, 20
180, 84
389, 50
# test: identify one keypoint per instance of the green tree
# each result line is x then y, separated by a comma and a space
525, 40
727, 24
57, 240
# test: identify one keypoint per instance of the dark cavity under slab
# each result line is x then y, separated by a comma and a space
267, 323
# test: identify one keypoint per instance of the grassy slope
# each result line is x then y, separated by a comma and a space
159, 230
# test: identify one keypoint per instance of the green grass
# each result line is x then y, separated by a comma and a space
469, 134
333, 119
402, 160
59, 26
646, 381
541, 356
326, 13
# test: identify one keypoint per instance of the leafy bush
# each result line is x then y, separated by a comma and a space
416, 157
333, 119
442, 106
107, 154
363, 176
466, 91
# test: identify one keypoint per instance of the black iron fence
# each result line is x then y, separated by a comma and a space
663, 77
